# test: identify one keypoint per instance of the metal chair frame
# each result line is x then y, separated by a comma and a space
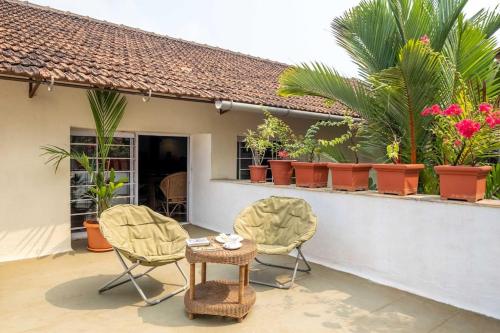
132, 278
296, 268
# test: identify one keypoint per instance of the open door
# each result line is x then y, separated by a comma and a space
163, 173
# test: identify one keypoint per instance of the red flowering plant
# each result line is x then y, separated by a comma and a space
466, 134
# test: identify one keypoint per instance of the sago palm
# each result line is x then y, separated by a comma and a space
410, 54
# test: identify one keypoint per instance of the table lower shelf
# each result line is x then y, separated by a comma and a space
220, 298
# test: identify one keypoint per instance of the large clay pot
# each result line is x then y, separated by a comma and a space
258, 173
95, 240
282, 171
400, 179
311, 174
462, 182
350, 176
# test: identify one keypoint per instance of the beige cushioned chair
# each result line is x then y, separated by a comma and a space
146, 238
278, 225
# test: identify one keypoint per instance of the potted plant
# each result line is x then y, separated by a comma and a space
258, 143
351, 176
311, 172
397, 178
279, 136
469, 135
107, 110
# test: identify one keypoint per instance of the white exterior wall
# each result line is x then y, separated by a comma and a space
35, 202
446, 251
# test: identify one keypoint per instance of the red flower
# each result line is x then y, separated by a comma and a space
283, 154
493, 119
467, 127
426, 112
485, 107
436, 109
457, 143
425, 39
453, 110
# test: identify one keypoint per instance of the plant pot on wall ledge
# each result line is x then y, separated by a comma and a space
350, 176
258, 173
311, 174
95, 240
462, 182
282, 171
400, 179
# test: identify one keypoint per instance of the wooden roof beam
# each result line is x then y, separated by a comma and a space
32, 88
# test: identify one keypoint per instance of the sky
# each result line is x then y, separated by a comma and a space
289, 31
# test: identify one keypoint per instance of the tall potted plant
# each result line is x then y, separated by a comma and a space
468, 135
351, 176
397, 178
258, 143
279, 136
107, 110
310, 172
408, 58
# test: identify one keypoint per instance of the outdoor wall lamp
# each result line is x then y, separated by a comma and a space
146, 99
50, 87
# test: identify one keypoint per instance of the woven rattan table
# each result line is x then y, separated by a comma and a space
220, 297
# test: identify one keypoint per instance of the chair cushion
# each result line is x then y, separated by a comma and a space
275, 249
140, 233
277, 224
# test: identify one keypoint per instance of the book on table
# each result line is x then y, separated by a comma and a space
193, 242
207, 248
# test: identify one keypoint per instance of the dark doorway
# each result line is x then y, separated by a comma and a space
159, 157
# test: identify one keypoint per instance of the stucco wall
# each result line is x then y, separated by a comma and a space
446, 251
34, 202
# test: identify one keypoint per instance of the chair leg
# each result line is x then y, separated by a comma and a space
132, 278
165, 207
173, 209
295, 268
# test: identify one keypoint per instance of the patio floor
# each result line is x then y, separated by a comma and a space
59, 294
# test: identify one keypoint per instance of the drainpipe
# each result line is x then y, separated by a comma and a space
225, 106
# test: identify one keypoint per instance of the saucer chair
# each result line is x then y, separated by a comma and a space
145, 238
278, 225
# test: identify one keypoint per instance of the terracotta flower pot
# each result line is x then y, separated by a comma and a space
311, 174
462, 182
258, 173
350, 176
282, 171
400, 179
95, 240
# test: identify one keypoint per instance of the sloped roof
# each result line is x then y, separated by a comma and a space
40, 42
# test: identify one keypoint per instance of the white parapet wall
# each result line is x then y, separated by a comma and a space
442, 250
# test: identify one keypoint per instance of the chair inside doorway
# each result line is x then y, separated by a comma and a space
174, 189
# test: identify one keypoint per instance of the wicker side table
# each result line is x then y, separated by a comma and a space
220, 297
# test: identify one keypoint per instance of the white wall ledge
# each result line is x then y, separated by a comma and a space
416, 197
442, 250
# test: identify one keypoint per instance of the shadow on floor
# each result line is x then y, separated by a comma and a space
82, 294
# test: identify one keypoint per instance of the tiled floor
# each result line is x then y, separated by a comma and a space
58, 294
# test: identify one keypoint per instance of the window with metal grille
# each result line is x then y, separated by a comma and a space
121, 159
244, 159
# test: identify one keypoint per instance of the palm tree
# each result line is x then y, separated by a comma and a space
107, 109
410, 54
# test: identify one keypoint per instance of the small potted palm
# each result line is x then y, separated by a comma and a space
310, 172
258, 143
397, 178
351, 176
469, 136
107, 110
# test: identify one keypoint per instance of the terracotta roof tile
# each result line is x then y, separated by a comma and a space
42, 42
